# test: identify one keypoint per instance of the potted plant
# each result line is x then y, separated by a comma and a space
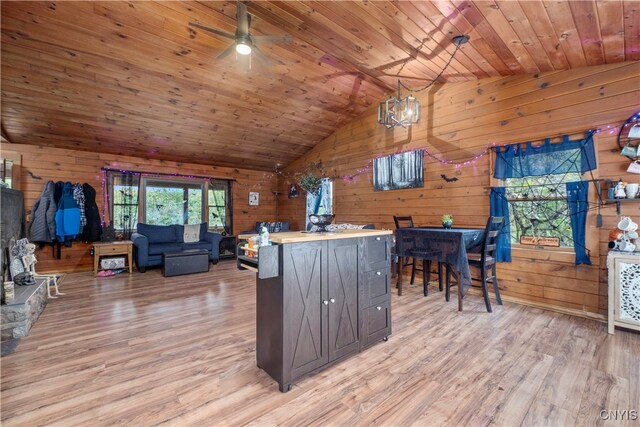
310, 182
447, 220
310, 179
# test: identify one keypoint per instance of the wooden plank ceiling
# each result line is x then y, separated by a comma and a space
134, 78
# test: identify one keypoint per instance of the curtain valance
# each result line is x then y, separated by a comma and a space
520, 160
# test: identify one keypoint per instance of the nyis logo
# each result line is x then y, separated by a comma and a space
619, 415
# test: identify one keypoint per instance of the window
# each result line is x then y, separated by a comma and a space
5, 171
321, 203
165, 201
123, 197
545, 194
538, 207
219, 203
173, 202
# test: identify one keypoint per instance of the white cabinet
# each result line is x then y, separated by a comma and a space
624, 290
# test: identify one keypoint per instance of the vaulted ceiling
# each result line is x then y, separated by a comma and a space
135, 78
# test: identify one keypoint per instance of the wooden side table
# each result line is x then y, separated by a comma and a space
124, 247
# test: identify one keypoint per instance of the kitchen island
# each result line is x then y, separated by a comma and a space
320, 297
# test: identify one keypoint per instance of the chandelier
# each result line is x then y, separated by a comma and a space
399, 111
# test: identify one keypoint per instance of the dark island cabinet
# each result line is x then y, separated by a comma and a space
328, 301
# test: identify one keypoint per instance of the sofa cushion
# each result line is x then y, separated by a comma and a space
158, 233
197, 245
204, 227
160, 248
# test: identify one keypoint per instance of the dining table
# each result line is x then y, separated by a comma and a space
443, 245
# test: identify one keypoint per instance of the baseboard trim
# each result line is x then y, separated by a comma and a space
550, 307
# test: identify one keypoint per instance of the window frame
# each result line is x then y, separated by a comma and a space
203, 183
561, 254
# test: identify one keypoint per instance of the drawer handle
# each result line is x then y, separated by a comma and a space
332, 300
325, 302
378, 308
378, 238
378, 273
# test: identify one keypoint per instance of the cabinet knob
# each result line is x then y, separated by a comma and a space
378, 238
325, 302
378, 273
378, 308
333, 300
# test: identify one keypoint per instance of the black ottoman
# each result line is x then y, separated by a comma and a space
185, 262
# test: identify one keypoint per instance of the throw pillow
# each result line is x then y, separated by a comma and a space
272, 227
191, 233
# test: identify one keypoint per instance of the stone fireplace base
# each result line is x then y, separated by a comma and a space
20, 314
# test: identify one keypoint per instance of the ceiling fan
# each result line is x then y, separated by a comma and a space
244, 42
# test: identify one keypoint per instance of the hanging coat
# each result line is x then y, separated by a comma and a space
57, 192
91, 232
42, 228
67, 216
78, 196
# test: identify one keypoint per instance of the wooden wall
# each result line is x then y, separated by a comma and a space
81, 166
459, 121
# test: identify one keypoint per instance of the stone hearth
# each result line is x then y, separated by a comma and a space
20, 314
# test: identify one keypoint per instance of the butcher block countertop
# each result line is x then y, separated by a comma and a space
301, 236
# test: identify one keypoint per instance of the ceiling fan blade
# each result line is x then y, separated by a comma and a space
272, 39
226, 52
261, 56
242, 16
213, 30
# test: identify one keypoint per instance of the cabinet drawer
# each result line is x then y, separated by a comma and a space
376, 322
376, 285
376, 249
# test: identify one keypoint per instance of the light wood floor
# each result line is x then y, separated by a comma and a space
145, 350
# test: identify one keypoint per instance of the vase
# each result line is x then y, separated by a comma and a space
447, 224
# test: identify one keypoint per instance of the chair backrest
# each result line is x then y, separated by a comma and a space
491, 234
403, 221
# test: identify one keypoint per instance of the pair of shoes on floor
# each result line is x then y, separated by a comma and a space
105, 273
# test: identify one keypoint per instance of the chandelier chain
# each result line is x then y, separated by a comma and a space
437, 77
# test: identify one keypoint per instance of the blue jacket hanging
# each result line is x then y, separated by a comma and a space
67, 215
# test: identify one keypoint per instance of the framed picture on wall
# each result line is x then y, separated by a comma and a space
399, 171
254, 198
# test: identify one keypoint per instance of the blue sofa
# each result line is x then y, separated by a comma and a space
151, 241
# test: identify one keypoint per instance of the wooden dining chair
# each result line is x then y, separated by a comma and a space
407, 222
485, 260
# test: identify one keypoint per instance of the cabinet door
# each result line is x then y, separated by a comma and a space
627, 295
342, 278
305, 324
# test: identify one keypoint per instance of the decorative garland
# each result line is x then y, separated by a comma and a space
350, 178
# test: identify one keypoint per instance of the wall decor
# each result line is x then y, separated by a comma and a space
254, 198
399, 171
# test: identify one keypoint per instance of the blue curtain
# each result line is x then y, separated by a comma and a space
499, 206
578, 200
518, 161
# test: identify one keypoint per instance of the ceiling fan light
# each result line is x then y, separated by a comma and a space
243, 48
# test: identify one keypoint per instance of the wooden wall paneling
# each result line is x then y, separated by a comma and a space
610, 14
550, 104
81, 166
